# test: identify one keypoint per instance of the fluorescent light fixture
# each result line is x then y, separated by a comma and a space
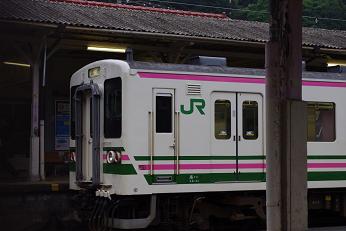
333, 63
17, 64
107, 49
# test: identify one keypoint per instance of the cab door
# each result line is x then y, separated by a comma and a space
87, 139
163, 162
87, 134
250, 137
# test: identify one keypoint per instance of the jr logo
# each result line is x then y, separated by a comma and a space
198, 103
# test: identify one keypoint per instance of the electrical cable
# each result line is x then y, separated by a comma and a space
232, 9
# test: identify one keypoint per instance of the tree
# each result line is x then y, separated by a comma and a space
330, 14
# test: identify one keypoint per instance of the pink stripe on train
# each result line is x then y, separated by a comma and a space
200, 166
255, 79
327, 165
125, 157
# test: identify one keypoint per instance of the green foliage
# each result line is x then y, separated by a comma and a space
330, 14
320, 13
258, 11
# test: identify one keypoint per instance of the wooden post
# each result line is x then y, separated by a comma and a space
35, 127
35, 62
286, 120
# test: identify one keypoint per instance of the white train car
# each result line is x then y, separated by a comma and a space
150, 131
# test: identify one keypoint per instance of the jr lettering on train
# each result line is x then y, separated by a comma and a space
199, 104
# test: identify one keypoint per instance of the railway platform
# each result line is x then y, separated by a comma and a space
46, 186
335, 228
41, 205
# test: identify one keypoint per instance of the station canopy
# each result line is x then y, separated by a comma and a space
144, 21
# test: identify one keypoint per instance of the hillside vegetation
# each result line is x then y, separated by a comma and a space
330, 14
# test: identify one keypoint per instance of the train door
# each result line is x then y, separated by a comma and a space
237, 135
87, 134
87, 137
224, 132
163, 162
250, 137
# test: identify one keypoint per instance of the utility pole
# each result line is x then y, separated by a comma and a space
285, 120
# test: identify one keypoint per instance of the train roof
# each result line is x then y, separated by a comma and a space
226, 70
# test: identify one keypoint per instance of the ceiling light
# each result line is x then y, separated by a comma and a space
17, 64
332, 63
107, 49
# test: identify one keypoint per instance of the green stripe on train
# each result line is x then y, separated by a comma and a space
120, 169
329, 157
327, 176
207, 178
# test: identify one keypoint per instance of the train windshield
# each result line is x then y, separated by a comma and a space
112, 108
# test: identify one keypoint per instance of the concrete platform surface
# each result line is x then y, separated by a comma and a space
335, 228
49, 185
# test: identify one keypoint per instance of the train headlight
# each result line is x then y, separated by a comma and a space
73, 156
113, 157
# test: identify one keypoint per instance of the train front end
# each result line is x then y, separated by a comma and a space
99, 166
88, 136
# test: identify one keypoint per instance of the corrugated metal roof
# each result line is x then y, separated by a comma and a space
128, 18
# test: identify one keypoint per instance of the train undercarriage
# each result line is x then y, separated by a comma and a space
208, 211
197, 212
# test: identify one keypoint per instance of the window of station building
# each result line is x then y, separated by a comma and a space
112, 108
222, 119
164, 114
321, 122
250, 120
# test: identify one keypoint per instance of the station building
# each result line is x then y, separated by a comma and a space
43, 42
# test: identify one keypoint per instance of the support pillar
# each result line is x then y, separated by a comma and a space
35, 62
35, 126
286, 120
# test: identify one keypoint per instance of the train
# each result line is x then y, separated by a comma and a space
184, 145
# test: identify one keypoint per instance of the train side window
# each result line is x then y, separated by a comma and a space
164, 114
321, 122
112, 108
250, 120
222, 119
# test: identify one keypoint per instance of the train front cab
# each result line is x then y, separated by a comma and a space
96, 147
91, 91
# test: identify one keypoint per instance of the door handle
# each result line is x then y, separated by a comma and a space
234, 138
172, 146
